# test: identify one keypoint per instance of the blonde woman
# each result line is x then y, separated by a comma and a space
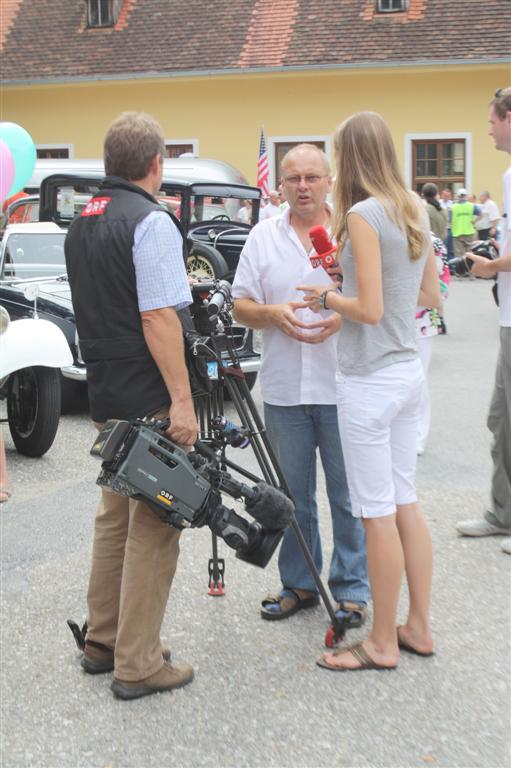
388, 269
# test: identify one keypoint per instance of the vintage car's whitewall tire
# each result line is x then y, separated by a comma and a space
206, 262
33, 408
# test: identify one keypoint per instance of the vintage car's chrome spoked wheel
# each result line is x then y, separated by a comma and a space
33, 408
200, 267
206, 263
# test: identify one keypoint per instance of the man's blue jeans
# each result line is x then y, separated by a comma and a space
295, 433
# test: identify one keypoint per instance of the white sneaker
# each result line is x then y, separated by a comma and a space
506, 546
480, 528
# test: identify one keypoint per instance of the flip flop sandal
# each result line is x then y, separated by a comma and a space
285, 604
355, 612
410, 649
360, 654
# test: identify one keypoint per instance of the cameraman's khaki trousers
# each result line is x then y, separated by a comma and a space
134, 559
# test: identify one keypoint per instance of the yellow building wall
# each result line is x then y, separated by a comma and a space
226, 113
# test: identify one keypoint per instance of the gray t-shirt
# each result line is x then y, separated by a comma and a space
365, 348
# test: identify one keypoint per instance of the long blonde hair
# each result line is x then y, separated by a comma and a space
367, 167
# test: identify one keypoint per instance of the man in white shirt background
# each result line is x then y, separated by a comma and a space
486, 222
245, 212
299, 390
272, 207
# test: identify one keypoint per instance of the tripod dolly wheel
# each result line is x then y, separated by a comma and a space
335, 634
331, 638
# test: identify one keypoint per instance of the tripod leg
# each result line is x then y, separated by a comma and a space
216, 569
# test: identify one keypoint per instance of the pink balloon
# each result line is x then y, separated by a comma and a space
6, 170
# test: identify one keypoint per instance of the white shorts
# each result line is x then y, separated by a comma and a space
378, 422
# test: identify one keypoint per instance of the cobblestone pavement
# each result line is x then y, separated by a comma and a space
258, 699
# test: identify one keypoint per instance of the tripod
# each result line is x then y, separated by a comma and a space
212, 315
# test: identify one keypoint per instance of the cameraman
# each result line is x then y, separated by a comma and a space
498, 519
128, 281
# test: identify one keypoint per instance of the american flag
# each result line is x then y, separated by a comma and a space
263, 170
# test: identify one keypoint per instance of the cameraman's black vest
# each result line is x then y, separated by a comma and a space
123, 379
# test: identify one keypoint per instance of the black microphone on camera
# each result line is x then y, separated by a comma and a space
221, 294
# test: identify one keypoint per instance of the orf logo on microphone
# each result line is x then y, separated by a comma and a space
325, 249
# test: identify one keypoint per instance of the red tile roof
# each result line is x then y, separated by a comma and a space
50, 40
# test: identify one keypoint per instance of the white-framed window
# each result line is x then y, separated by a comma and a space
443, 158
391, 6
179, 147
277, 147
103, 13
54, 151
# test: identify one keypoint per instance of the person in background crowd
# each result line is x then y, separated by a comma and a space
245, 212
438, 218
430, 324
463, 214
446, 203
438, 224
487, 221
127, 253
388, 268
497, 519
284, 205
272, 207
298, 388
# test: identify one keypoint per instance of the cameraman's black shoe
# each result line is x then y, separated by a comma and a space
98, 659
167, 678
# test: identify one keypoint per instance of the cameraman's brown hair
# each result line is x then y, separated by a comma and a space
502, 102
131, 142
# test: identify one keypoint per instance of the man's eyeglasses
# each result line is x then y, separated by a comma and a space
310, 179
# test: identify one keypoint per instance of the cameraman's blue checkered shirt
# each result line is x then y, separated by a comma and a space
159, 266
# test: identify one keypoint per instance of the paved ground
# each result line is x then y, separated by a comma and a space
258, 699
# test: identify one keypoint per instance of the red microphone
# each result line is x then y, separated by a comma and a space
325, 249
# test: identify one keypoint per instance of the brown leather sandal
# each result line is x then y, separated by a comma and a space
288, 602
360, 654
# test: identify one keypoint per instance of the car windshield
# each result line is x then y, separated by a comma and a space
205, 208
33, 254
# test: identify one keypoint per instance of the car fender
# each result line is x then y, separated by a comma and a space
31, 342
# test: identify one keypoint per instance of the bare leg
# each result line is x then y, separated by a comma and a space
417, 550
386, 565
4, 480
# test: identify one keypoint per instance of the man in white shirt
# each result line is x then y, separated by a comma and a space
245, 212
299, 391
272, 207
497, 520
486, 222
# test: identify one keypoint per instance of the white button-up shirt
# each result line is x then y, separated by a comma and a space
272, 263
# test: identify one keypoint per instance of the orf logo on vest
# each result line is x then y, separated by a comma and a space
96, 206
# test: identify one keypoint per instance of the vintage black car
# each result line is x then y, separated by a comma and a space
208, 196
34, 252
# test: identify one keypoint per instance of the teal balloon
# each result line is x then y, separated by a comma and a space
23, 152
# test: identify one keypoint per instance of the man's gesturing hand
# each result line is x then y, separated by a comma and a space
326, 328
284, 318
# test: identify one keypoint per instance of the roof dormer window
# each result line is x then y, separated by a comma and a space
391, 6
103, 13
